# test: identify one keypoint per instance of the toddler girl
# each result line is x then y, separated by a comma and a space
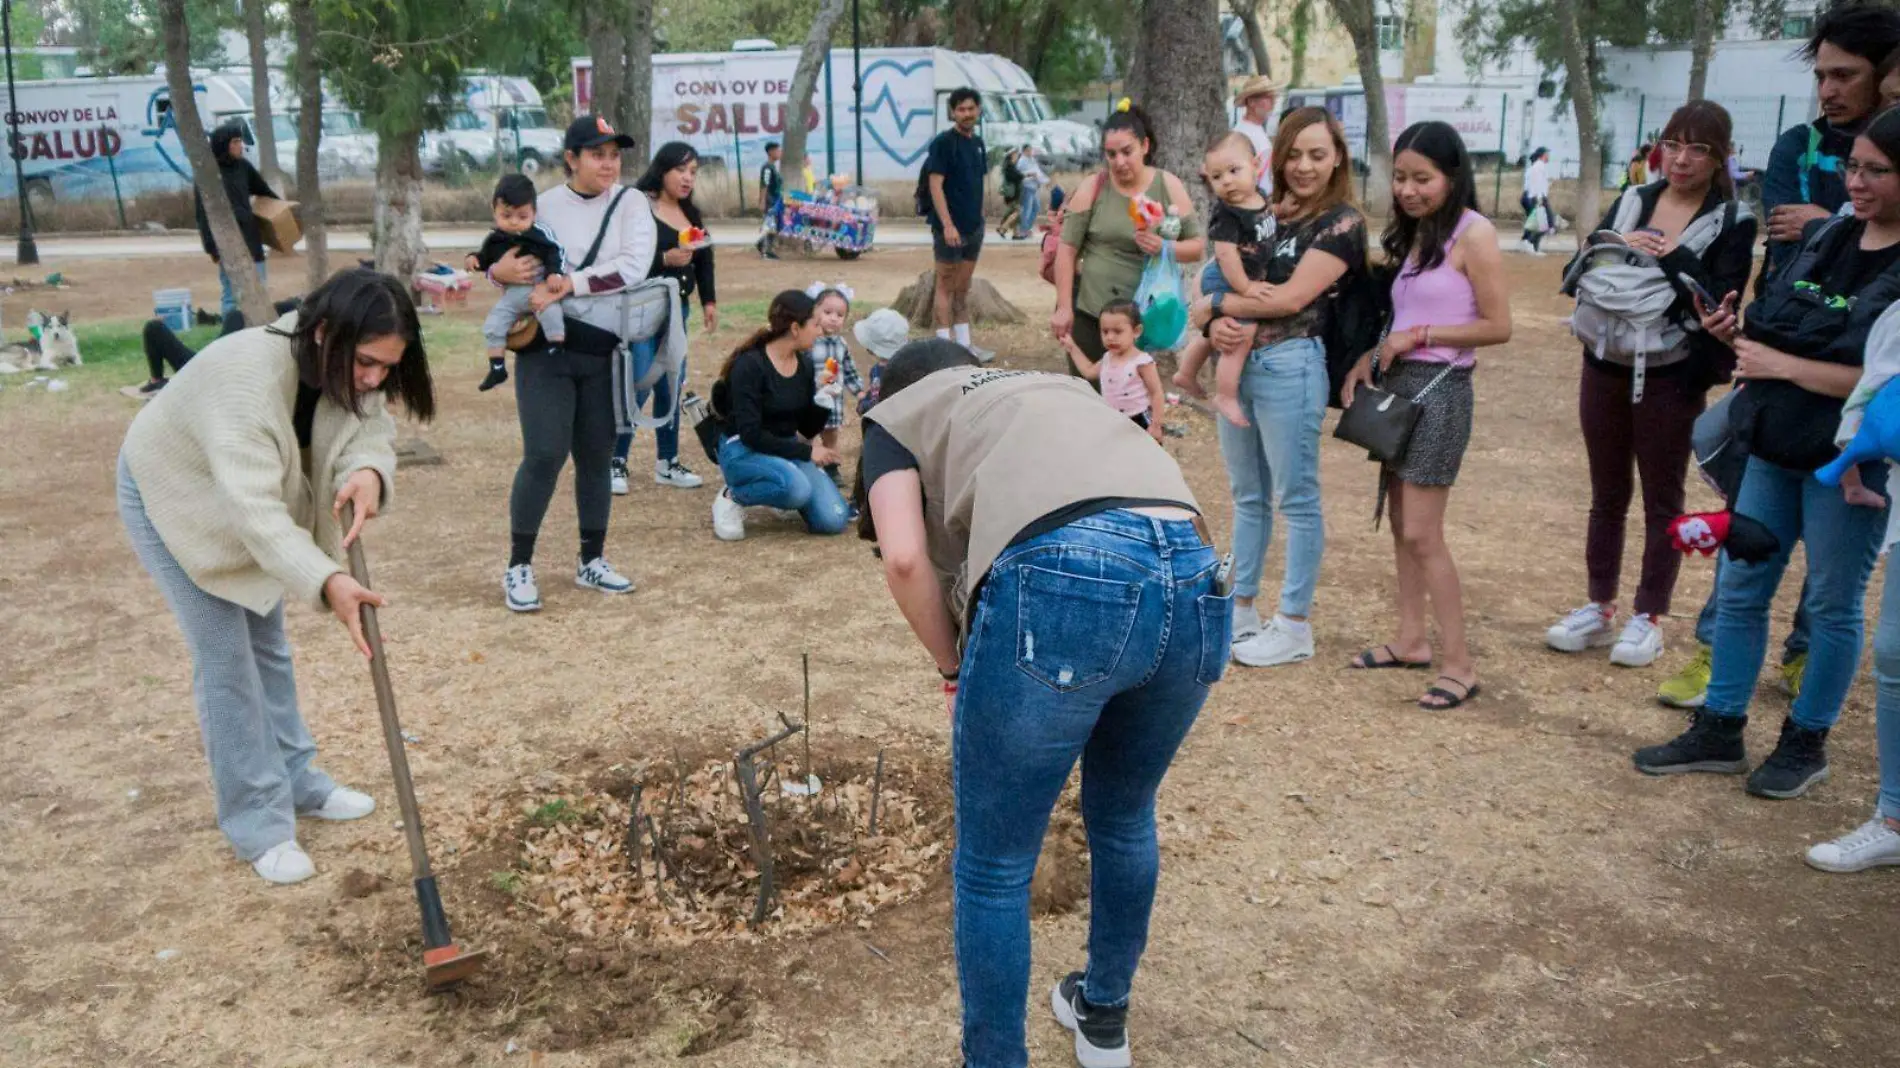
1129, 380
833, 308
1241, 227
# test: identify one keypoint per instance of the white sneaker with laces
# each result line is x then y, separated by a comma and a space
1584, 628
675, 474
1870, 845
1246, 623
618, 478
284, 863
518, 589
728, 517
1281, 641
1640, 644
345, 804
598, 574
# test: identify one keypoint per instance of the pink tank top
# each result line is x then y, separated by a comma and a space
1441, 296
1122, 386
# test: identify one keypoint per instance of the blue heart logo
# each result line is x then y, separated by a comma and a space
882, 109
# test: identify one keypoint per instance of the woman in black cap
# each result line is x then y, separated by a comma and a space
565, 396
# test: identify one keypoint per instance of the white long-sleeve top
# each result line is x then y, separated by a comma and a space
1537, 180
626, 252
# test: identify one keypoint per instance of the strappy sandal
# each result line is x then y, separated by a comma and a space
1369, 661
1451, 700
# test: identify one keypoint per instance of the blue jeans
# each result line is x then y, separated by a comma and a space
1274, 465
1099, 641
1031, 206
1212, 280
667, 438
763, 480
228, 299
1841, 543
1797, 643
1887, 694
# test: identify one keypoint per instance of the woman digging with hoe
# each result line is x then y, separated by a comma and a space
233, 484
1050, 558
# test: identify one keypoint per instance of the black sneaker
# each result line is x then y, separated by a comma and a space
1712, 743
497, 374
153, 386
1101, 1035
1798, 762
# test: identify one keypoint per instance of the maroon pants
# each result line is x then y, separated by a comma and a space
1649, 439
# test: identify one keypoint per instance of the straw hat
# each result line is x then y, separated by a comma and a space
1258, 85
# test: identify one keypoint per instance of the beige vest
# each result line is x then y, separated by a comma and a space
998, 450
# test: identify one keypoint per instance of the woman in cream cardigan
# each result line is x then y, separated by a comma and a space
232, 484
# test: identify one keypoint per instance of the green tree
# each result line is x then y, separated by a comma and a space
124, 36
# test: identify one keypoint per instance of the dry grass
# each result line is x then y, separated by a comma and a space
1347, 881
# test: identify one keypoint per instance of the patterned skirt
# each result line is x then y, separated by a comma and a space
1438, 442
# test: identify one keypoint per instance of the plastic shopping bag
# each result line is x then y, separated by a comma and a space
1163, 303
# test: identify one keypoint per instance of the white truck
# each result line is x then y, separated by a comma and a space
729, 105
497, 115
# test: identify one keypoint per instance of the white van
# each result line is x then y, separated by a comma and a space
498, 115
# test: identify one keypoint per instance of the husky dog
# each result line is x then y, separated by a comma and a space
56, 347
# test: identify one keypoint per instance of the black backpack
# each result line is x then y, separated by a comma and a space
1012, 174
1357, 322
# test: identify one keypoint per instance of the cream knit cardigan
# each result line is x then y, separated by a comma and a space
217, 463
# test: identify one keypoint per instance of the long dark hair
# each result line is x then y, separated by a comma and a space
1135, 121
908, 365
355, 306
670, 157
1425, 238
1884, 132
789, 309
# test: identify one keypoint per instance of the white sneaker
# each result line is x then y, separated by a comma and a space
1584, 628
345, 804
982, 355
619, 477
1246, 623
677, 475
1640, 644
598, 574
1281, 641
518, 589
1869, 845
728, 517
284, 863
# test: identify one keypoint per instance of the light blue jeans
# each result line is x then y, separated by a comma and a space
1273, 465
1030, 205
1097, 641
759, 479
228, 299
1841, 542
1887, 693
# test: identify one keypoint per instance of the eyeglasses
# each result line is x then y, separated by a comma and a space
1873, 172
1695, 149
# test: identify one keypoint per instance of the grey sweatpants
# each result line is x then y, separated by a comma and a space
513, 305
254, 737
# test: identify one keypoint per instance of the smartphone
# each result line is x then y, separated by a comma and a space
1702, 296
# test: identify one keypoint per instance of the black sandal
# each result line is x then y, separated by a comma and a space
1369, 661
1451, 700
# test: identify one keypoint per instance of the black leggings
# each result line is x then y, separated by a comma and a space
565, 402
163, 349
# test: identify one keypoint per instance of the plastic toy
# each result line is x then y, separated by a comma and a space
694, 237
1146, 213
1878, 437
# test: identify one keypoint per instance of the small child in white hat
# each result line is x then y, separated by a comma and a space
881, 333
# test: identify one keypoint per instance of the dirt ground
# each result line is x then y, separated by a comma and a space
1347, 881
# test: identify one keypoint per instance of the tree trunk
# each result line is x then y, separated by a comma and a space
1036, 49
1356, 16
608, 45
1177, 75
233, 254
316, 241
636, 88
1248, 12
964, 31
1583, 101
1302, 30
256, 30
396, 231
1708, 18
811, 61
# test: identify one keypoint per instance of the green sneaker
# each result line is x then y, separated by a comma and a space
1689, 687
1791, 673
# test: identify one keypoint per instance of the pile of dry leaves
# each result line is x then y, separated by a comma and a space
668, 859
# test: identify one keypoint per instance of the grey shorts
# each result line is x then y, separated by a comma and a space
1438, 442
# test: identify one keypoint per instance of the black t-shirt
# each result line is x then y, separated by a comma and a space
1854, 267
770, 412
963, 162
1339, 231
1251, 231
883, 453
771, 181
303, 418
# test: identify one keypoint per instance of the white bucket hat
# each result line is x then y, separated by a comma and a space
884, 331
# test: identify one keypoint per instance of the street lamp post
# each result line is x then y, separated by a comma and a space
28, 252
857, 86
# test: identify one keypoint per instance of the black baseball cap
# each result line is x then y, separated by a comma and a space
590, 130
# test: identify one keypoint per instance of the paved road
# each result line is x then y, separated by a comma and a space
735, 233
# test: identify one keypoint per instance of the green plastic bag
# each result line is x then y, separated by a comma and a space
1163, 303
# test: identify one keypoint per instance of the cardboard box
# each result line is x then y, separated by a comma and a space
277, 222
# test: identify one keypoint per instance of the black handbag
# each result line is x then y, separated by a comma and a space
1382, 422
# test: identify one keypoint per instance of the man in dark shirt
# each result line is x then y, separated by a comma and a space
771, 199
955, 168
1805, 180
241, 182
